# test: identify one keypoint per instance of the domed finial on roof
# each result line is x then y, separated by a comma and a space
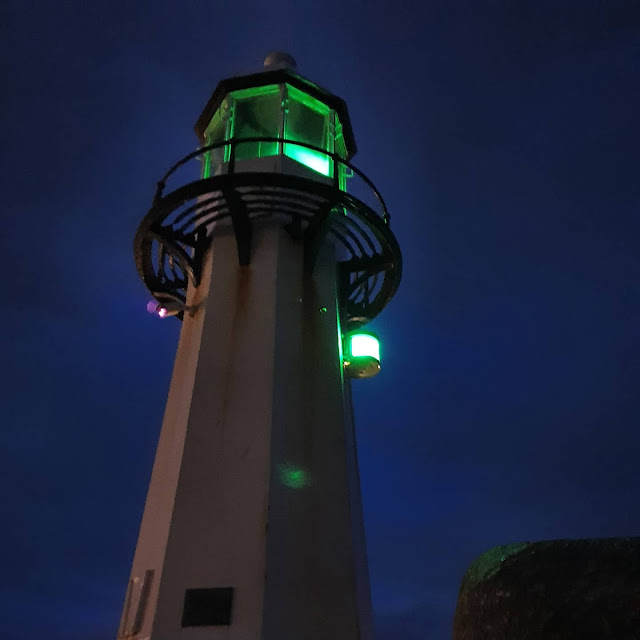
280, 60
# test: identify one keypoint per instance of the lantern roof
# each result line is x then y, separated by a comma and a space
277, 76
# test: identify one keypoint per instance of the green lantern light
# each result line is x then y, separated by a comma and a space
362, 354
277, 105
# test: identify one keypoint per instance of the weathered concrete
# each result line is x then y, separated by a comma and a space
254, 495
560, 589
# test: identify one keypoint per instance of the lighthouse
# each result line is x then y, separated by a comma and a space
274, 251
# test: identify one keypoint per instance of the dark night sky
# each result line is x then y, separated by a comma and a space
505, 138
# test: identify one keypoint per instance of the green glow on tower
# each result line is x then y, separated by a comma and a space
292, 476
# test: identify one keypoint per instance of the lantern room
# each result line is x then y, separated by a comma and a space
276, 121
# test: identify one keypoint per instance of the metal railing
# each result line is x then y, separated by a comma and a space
233, 143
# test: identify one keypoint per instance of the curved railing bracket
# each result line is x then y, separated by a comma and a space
174, 236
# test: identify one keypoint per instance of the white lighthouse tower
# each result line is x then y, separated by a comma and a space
273, 253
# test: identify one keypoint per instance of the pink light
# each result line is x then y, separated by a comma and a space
152, 306
162, 312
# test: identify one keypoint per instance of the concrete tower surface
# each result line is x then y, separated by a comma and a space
252, 527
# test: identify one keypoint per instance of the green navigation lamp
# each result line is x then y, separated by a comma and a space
276, 121
362, 354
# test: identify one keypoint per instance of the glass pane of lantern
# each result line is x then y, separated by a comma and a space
308, 120
341, 149
216, 132
363, 344
340, 145
257, 113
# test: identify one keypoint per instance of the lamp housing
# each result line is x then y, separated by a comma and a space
361, 354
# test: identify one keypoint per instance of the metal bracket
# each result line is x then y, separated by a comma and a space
315, 234
241, 225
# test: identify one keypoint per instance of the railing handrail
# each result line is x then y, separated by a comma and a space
234, 142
